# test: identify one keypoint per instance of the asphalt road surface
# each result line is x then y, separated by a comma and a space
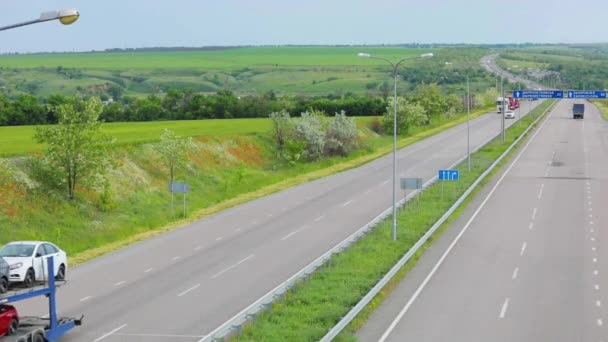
183, 284
527, 260
489, 63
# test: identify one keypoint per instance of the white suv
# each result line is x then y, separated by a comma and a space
509, 114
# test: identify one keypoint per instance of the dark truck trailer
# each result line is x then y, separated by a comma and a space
578, 110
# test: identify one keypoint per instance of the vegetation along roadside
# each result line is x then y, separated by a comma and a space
307, 312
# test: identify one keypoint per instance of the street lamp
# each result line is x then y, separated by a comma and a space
395, 66
66, 17
468, 118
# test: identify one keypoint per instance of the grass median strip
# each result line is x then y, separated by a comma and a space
308, 311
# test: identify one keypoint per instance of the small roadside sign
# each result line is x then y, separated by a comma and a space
179, 187
450, 175
411, 183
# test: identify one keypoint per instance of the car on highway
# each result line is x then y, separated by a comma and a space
4, 275
9, 320
28, 261
509, 114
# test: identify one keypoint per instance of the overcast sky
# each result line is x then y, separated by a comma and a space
144, 23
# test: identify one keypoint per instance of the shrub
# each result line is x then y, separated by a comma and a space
281, 127
376, 126
341, 137
309, 130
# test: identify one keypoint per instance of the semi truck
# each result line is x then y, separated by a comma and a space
578, 110
510, 103
48, 328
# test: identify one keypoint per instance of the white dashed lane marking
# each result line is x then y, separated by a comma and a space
503, 310
523, 248
189, 290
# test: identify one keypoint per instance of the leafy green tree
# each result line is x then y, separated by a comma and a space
429, 96
76, 146
173, 150
408, 114
281, 127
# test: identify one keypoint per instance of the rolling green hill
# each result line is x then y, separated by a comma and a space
251, 70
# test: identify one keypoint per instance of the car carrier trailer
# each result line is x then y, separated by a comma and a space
39, 329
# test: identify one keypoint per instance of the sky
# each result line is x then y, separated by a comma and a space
149, 23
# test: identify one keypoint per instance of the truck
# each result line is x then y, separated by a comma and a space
578, 110
48, 328
510, 103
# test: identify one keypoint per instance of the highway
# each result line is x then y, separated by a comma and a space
183, 284
527, 260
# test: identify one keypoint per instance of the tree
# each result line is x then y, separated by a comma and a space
76, 146
408, 114
430, 98
173, 150
281, 126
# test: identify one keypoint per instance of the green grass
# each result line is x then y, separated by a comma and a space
602, 105
219, 59
315, 305
18, 140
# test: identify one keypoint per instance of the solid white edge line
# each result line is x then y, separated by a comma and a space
464, 229
503, 310
110, 333
190, 289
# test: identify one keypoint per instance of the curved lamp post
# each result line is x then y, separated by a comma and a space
468, 113
66, 17
395, 66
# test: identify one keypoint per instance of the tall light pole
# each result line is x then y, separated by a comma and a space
468, 118
502, 121
66, 17
395, 66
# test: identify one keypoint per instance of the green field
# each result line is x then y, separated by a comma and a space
251, 70
203, 60
19, 140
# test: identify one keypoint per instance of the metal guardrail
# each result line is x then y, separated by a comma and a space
233, 325
393, 271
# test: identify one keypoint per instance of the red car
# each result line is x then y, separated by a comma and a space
9, 320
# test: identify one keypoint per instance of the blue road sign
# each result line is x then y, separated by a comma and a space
452, 175
586, 94
538, 94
